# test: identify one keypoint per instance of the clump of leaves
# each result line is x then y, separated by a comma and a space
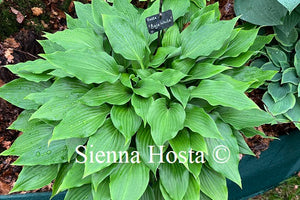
283, 92
101, 86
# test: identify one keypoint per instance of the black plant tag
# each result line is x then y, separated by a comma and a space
159, 22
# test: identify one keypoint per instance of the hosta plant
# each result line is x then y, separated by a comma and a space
283, 92
107, 116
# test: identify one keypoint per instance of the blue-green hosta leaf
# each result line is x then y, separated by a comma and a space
178, 7
281, 106
33, 134
278, 91
297, 58
290, 76
191, 48
125, 120
168, 77
175, 179
106, 139
294, 113
129, 181
181, 93
289, 4
241, 43
55, 109
145, 145
287, 39
267, 12
74, 178
66, 88
35, 177
112, 93
148, 87
227, 95
193, 191
88, 70
276, 55
172, 37
205, 70
80, 193
165, 120
141, 106
16, 90
223, 155
213, 184
243, 146
200, 122
79, 38
269, 66
240, 119
81, 121
124, 39
45, 154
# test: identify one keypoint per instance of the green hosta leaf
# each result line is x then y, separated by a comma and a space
290, 76
200, 122
278, 91
55, 109
49, 46
100, 176
251, 132
141, 106
165, 120
227, 95
205, 70
172, 37
267, 12
148, 195
240, 119
107, 139
183, 65
66, 88
213, 184
127, 10
37, 67
260, 42
129, 181
83, 192
289, 4
241, 43
148, 87
63, 170
193, 49
198, 142
87, 70
72, 144
100, 7
82, 121
223, 155
181, 93
125, 120
238, 61
60, 73
34, 177
162, 54
74, 178
16, 90
21, 122
103, 193
145, 145
164, 193
178, 7
193, 191
239, 85
115, 94
281, 106
168, 77
175, 179
243, 146
126, 41
78, 38
45, 154
34, 133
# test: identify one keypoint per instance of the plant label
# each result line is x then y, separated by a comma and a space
159, 22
